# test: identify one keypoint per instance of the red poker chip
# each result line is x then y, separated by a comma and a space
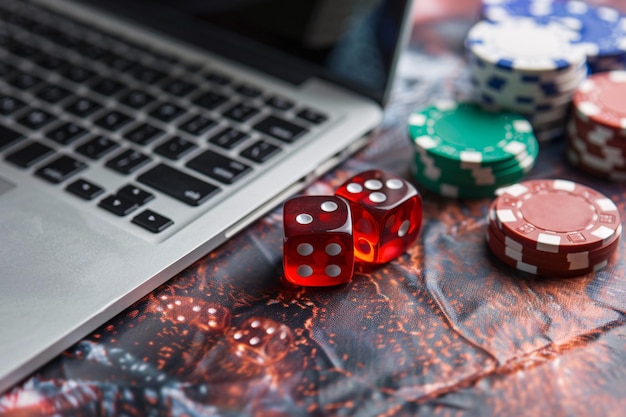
608, 133
556, 261
582, 162
532, 255
557, 257
584, 123
556, 215
596, 134
542, 271
600, 98
609, 156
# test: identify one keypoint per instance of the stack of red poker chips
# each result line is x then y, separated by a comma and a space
597, 127
553, 228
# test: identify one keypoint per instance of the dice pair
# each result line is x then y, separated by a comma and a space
372, 218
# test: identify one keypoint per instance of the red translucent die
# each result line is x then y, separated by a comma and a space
386, 215
318, 249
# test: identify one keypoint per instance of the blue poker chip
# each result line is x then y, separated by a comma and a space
497, 10
524, 44
602, 29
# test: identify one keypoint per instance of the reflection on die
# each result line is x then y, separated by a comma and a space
318, 247
386, 215
261, 341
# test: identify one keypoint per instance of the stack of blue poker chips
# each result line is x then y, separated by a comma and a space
496, 10
528, 66
602, 29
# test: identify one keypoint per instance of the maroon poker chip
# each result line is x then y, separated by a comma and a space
560, 261
555, 215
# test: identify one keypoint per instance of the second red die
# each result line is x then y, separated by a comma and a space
386, 214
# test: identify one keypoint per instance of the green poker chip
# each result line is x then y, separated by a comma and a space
466, 133
468, 179
462, 150
458, 190
461, 174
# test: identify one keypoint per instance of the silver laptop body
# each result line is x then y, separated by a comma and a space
68, 264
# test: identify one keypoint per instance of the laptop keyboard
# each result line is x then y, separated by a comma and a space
97, 99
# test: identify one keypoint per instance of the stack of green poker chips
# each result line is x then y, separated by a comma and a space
462, 150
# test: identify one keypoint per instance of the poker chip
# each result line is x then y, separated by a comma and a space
601, 100
541, 270
497, 10
556, 216
526, 66
519, 251
596, 130
553, 228
601, 29
463, 150
543, 47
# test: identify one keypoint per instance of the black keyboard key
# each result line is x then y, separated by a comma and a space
8, 137
24, 81
211, 100
83, 107
6, 70
136, 194
97, 147
152, 221
77, 73
118, 62
147, 75
19, 20
177, 184
20, 49
60, 169
219, 167
260, 151
161, 58
113, 120
193, 67
279, 103
137, 99
312, 116
51, 62
228, 138
35, 118
128, 161
218, 78
67, 40
52, 93
91, 51
167, 112
197, 125
280, 129
30, 154
179, 88
10, 104
118, 205
144, 134
66, 133
44, 30
85, 189
175, 148
241, 112
249, 90
106, 86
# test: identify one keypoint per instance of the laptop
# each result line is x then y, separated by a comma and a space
138, 135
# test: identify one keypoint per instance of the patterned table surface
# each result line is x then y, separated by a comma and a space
444, 330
